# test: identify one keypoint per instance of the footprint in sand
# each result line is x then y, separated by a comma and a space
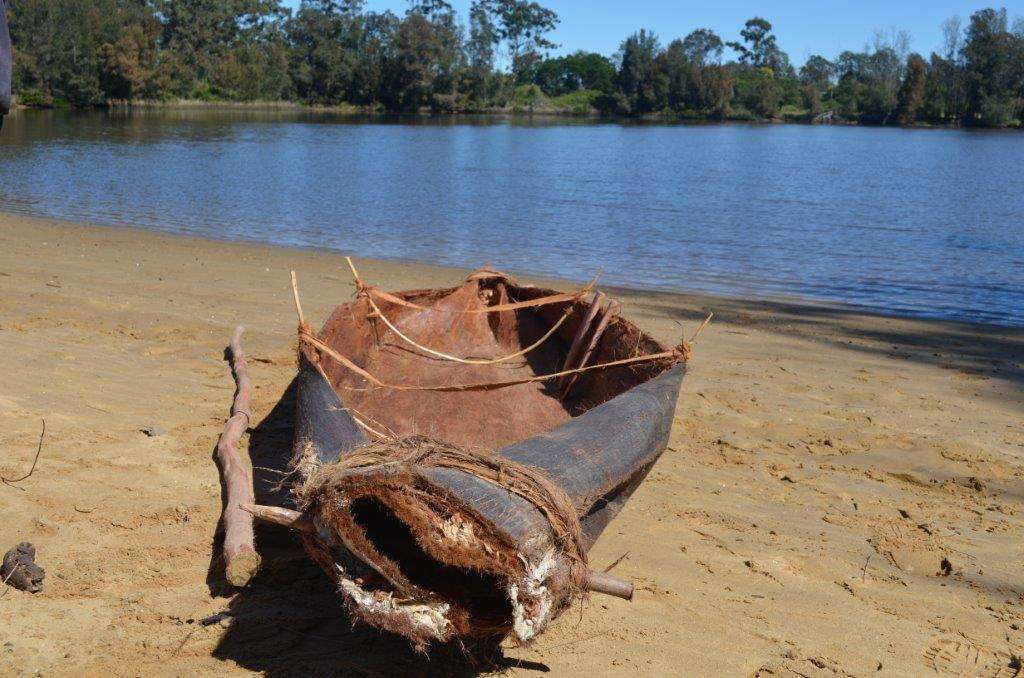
959, 657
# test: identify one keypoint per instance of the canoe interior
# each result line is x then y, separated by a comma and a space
488, 419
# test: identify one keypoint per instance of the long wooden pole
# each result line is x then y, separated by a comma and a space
240, 558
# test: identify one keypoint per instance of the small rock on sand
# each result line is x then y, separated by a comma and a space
20, 570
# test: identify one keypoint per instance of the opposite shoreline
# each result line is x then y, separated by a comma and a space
495, 114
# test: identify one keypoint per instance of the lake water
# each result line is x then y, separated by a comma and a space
915, 222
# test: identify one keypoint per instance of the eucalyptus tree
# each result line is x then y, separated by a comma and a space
993, 62
817, 71
911, 95
760, 47
702, 46
523, 27
643, 84
325, 37
201, 32
426, 52
577, 71
478, 83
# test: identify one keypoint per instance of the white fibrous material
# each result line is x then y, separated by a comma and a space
532, 586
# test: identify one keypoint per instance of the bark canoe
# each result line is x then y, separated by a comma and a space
436, 552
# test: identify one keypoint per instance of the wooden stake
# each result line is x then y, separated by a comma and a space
711, 314
602, 582
278, 515
298, 304
240, 558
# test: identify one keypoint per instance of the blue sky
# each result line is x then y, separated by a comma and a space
804, 27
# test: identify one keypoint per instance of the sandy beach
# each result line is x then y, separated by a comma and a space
842, 493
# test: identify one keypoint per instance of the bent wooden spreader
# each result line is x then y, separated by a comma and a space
457, 451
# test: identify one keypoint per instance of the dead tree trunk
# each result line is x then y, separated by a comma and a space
240, 558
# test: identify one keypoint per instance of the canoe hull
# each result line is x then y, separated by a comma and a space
386, 534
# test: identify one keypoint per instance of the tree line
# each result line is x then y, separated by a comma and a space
338, 52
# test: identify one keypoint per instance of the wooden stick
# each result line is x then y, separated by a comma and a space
295, 296
543, 301
387, 296
616, 562
596, 582
565, 297
295, 520
581, 334
306, 336
355, 275
602, 582
35, 460
240, 558
278, 515
711, 314
369, 429
607, 313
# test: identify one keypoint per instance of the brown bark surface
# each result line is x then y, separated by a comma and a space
240, 558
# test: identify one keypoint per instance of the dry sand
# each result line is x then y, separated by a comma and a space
841, 495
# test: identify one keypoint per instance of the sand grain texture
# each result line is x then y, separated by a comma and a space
842, 494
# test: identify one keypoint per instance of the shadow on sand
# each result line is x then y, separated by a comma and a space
290, 620
989, 351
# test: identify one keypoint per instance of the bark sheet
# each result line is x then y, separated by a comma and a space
437, 551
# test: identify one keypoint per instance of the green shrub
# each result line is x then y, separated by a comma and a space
580, 102
34, 98
204, 92
528, 96
996, 111
741, 113
794, 113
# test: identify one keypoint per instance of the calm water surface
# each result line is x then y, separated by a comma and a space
917, 222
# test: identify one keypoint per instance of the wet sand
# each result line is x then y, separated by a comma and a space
842, 493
